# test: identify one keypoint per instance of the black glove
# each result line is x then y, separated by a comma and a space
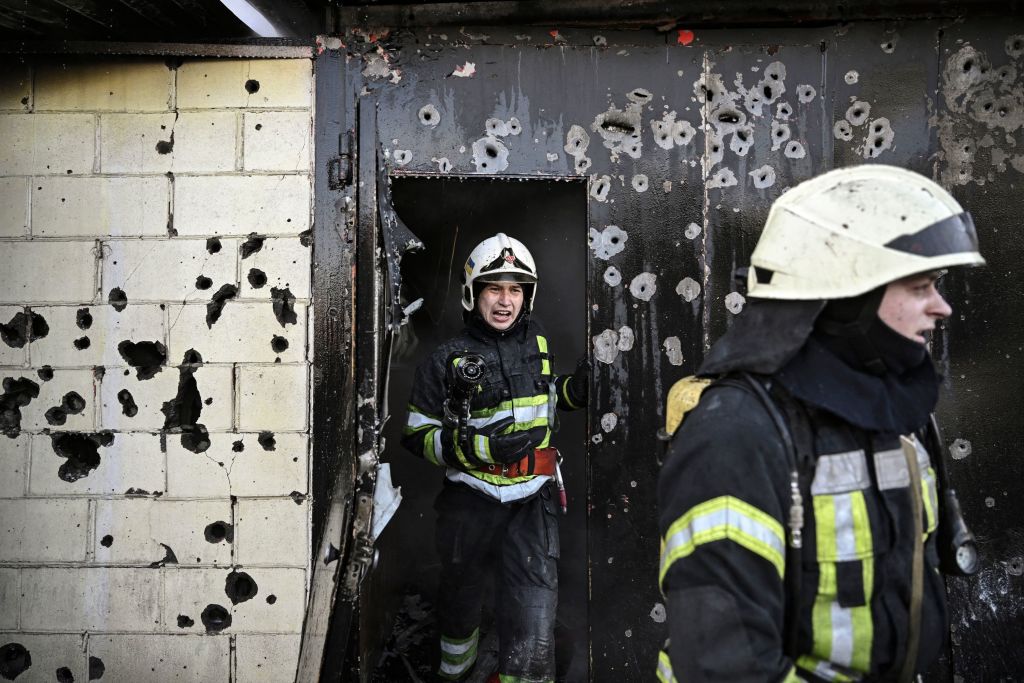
579, 383
485, 445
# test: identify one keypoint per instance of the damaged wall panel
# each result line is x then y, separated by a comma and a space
684, 139
146, 447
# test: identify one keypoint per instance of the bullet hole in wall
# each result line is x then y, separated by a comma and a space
18, 393
258, 126
96, 668
165, 146
257, 278
284, 309
252, 86
127, 401
279, 344
251, 245
118, 299
203, 282
185, 622
45, 373
271, 599
107, 541
81, 452
238, 446
208, 400
216, 305
72, 404
14, 660
147, 357
83, 318
169, 558
183, 411
215, 532
297, 497
215, 618
213, 245
240, 587
82, 343
267, 440
24, 328
306, 238
64, 675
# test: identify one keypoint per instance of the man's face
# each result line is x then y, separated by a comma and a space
912, 306
499, 303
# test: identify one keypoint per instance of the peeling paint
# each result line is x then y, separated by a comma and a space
688, 288
490, 155
608, 421
612, 276
429, 115
692, 231
723, 178
734, 302
674, 350
763, 177
626, 338
643, 286
606, 347
640, 183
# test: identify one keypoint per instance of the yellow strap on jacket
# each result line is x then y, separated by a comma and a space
682, 398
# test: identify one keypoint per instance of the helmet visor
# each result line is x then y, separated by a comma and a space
953, 235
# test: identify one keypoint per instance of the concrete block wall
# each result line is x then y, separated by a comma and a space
155, 341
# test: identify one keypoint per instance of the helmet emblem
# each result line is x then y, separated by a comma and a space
507, 254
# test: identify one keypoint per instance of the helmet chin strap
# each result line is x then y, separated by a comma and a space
852, 319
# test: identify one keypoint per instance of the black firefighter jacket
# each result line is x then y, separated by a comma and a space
724, 496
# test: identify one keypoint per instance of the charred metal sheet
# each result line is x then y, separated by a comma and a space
275, 49
398, 240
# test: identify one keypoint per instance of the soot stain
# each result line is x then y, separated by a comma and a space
251, 245
18, 393
284, 306
183, 411
118, 299
213, 245
81, 452
240, 587
169, 558
147, 357
15, 660
257, 278
215, 618
127, 401
83, 319
24, 328
267, 440
217, 303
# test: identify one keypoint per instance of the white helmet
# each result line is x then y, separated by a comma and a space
851, 230
499, 259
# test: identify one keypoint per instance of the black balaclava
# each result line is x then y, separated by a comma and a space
855, 366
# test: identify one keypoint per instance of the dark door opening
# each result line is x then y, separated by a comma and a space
450, 216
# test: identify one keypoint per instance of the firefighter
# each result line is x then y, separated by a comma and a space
797, 503
482, 408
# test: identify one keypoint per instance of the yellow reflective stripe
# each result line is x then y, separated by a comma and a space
825, 523
414, 409
821, 612
429, 448
483, 448
929, 495
793, 677
460, 456
499, 480
826, 670
545, 363
724, 518
565, 395
505, 678
524, 402
665, 674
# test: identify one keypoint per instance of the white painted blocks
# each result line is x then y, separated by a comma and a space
229, 83
31, 268
250, 472
43, 530
90, 598
10, 598
277, 141
103, 86
131, 462
142, 530
14, 202
104, 327
100, 207
10, 355
272, 397
189, 142
15, 88
245, 332
272, 532
277, 607
13, 465
239, 205
285, 264
46, 144
58, 393
163, 659
212, 382
260, 659
50, 654
166, 270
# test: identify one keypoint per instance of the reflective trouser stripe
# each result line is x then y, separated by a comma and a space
458, 655
726, 518
665, 674
842, 635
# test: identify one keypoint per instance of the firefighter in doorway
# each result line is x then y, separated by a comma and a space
802, 528
482, 407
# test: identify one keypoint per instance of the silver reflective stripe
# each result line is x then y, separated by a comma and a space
519, 414
824, 670
923, 461
842, 635
891, 470
417, 420
846, 539
506, 494
840, 472
725, 517
438, 452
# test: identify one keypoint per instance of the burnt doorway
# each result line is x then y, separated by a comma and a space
450, 215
